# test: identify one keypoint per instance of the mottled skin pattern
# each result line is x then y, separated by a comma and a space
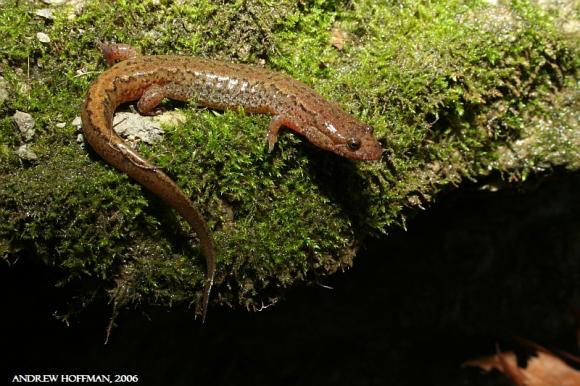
219, 85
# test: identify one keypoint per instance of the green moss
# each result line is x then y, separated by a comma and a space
448, 86
16, 27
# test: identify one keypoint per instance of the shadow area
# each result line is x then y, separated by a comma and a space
475, 269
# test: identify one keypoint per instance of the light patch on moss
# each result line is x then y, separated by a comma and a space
550, 138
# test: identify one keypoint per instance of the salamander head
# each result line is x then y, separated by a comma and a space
344, 135
358, 143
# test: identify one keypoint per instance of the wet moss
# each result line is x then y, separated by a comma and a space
448, 86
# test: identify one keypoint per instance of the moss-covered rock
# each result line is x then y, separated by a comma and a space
455, 90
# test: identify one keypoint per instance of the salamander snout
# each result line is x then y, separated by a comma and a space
348, 138
364, 148
359, 143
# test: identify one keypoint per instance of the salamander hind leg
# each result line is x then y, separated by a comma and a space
150, 99
155, 93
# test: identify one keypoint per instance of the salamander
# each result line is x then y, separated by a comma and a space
217, 85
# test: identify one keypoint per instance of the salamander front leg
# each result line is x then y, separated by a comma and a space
272, 135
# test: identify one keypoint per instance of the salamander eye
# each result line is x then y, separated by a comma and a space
353, 143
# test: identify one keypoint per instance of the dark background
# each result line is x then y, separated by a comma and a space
476, 269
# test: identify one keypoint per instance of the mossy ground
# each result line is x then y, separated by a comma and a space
448, 87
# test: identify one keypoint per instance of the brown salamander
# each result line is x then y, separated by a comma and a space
218, 85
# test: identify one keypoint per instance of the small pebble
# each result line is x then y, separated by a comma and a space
25, 124
42, 37
25, 153
45, 13
3, 90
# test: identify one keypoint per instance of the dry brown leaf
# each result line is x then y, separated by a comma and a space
577, 317
505, 362
545, 369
